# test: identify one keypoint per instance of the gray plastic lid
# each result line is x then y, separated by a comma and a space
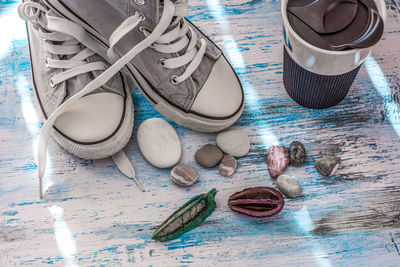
336, 24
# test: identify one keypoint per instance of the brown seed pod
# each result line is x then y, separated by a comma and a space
257, 202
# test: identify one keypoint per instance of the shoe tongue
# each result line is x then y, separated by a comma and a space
77, 83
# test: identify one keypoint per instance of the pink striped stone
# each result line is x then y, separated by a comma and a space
277, 159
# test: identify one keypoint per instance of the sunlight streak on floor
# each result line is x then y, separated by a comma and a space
235, 57
305, 224
28, 110
32, 121
268, 137
381, 84
13, 28
65, 241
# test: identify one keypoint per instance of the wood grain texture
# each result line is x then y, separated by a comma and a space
92, 215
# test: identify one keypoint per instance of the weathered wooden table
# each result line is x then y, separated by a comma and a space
93, 215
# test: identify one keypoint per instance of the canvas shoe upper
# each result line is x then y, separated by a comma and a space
172, 36
181, 72
64, 60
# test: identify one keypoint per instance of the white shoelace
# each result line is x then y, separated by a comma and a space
175, 40
60, 41
64, 38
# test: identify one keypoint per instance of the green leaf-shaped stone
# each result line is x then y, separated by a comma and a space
189, 216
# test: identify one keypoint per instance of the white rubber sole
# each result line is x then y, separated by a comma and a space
186, 119
107, 148
104, 149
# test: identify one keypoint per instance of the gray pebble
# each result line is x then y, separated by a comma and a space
228, 166
184, 175
328, 165
297, 154
288, 186
234, 142
209, 156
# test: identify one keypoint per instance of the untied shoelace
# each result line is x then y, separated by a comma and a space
167, 42
63, 37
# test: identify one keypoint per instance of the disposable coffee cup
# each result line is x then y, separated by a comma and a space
315, 77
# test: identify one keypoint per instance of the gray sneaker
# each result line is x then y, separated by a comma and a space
89, 124
177, 68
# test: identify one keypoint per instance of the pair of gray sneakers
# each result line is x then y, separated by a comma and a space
87, 56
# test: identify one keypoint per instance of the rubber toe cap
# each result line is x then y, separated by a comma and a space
92, 118
222, 94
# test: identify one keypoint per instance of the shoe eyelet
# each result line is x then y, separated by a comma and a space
173, 79
140, 2
142, 16
142, 29
161, 63
46, 62
51, 82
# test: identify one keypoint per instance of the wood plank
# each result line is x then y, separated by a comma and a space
92, 215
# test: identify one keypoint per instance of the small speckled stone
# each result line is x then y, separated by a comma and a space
288, 186
184, 175
234, 142
297, 154
328, 165
228, 166
278, 160
209, 156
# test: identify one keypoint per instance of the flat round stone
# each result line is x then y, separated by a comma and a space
228, 166
159, 143
234, 142
184, 175
288, 186
209, 156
